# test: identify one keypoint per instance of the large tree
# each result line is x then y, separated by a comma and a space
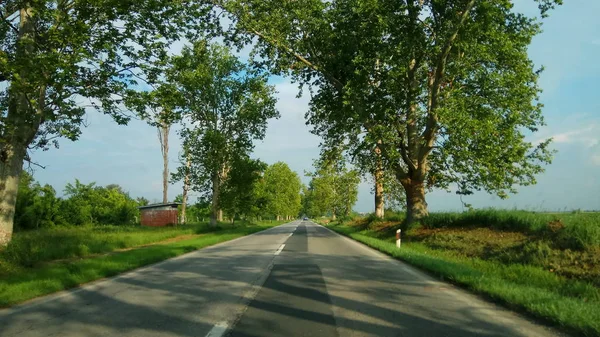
225, 106
59, 57
444, 89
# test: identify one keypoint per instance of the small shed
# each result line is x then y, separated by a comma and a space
158, 215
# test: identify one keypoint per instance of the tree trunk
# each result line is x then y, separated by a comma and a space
215, 213
163, 137
19, 129
333, 217
416, 206
186, 187
379, 200
10, 172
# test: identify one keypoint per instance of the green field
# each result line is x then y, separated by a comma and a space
547, 265
41, 262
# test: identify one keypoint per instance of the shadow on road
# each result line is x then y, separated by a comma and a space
346, 293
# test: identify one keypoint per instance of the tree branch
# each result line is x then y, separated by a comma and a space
432, 117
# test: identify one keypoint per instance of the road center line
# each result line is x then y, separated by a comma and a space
280, 249
218, 330
291, 234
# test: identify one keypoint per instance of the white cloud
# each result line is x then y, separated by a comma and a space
588, 136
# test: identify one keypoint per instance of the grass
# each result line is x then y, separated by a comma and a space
19, 283
538, 266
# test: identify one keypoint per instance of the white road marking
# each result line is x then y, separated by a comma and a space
218, 330
292, 233
280, 249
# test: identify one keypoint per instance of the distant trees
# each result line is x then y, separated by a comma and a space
333, 189
281, 190
83, 204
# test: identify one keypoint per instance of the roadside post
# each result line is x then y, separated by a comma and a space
398, 238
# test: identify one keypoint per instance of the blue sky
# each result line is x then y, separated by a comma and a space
569, 49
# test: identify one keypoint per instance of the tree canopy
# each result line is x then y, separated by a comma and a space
446, 87
224, 106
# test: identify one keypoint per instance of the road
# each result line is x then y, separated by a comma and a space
298, 279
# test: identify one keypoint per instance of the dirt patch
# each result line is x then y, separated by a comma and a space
513, 247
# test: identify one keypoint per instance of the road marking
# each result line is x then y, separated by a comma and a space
292, 233
218, 330
280, 249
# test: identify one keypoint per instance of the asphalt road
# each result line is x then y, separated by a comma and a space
298, 279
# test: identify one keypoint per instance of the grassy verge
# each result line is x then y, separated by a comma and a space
23, 283
569, 303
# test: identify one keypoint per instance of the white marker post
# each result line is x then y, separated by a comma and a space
398, 239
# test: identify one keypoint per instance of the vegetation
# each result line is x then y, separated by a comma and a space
442, 90
83, 204
333, 188
225, 106
280, 191
59, 58
545, 264
41, 262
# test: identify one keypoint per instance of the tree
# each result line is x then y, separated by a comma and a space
333, 187
282, 190
156, 107
37, 206
226, 106
58, 55
91, 204
446, 87
186, 183
239, 196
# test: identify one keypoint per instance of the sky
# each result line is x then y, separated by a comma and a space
568, 48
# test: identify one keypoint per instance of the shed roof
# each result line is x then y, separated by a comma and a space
169, 204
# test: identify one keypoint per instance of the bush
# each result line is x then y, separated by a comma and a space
580, 234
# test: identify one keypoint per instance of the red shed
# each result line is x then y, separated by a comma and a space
158, 215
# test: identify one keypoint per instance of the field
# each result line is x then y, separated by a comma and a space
546, 265
40, 262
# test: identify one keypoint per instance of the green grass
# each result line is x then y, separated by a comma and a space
571, 304
20, 283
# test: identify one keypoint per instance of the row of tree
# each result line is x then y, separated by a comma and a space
82, 204
253, 190
433, 93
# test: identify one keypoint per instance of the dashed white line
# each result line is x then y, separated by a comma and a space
280, 249
292, 233
218, 330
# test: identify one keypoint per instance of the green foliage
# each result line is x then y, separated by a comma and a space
90, 204
444, 89
239, 197
333, 188
225, 106
37, 206
281, 189
64, 52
